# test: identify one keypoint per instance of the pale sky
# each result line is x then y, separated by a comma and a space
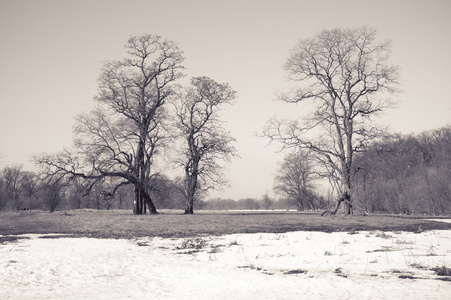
51, 53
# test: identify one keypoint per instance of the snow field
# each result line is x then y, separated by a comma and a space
316, 265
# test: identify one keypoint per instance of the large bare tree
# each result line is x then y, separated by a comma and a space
122, 135
345, 73
205, 140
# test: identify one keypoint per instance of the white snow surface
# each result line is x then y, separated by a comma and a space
294, 265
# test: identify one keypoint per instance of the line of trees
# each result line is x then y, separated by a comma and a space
25, 190
406, 174
133, 127
401, 174
143, 116
265, 202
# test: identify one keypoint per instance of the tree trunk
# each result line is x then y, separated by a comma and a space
348, 208
142, 198
334, 212
142, 202
191, 172
149, 203
346, 179
348, 204
137, 210
190, 198
189, 210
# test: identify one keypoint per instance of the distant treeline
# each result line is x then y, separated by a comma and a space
264, 203
407, 174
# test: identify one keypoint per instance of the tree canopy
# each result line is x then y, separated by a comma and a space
346, 74
121, 136
205, 140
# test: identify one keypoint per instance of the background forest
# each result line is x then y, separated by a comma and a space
406, 174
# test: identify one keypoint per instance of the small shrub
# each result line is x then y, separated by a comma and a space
143, 244
404, 242
10, 239
419, 229
383, 235
383, 249
297, 271
431, 251
418, 266
442, 271
214, 250
190, 243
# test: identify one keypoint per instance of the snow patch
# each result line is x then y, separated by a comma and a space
315, 265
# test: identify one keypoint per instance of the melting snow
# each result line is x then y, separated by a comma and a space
313, 265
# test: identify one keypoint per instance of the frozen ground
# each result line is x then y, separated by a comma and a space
295, 265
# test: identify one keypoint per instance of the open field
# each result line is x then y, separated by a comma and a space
293, 265
90, 254
123, 224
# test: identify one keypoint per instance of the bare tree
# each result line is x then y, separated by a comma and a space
205, 141
267, 201
54, 194
12, 177
406, 174
121, 137
342, 71
3, 194
294, 180
30, 183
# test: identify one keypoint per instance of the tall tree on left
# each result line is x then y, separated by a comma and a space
122, 135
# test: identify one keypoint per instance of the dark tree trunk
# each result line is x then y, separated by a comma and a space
191, 171
137, 202
348, 204
149, 203
142, 198
142, 202
189, 210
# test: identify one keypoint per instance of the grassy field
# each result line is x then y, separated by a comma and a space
123, 224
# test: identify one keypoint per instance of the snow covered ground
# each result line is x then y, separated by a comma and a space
295, 265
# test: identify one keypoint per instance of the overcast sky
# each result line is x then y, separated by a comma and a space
51, 54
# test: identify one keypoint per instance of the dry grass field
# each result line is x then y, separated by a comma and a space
168, 223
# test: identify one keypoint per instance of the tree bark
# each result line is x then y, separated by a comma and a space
137, 202
143, 201
191, 189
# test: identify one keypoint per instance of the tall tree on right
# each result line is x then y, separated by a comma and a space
346, 74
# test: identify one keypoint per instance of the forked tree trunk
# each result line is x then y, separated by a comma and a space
142, 202
142, 198
348, 205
